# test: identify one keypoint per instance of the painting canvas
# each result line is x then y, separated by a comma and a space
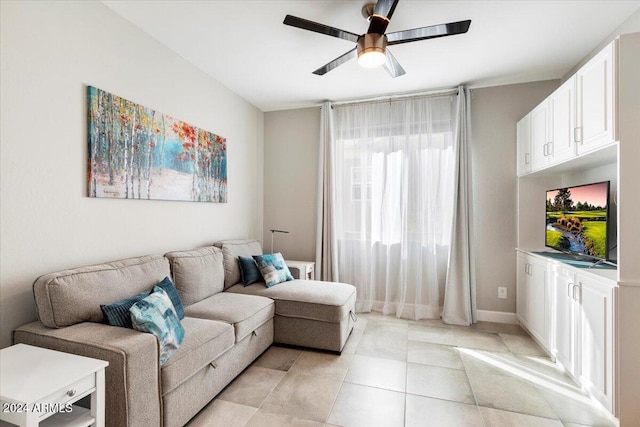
138, 153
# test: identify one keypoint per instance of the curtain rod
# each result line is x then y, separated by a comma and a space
397, 97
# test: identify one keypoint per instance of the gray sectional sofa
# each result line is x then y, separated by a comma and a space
227, 326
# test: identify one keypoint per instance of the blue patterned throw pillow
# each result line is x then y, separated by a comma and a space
249, 271
273, 268
155, 314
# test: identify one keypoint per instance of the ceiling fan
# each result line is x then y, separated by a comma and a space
371, 47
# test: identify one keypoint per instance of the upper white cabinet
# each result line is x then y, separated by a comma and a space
540, 140
579, 117
595, 82
523, 136
562, 122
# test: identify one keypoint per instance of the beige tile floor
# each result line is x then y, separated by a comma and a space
396, 372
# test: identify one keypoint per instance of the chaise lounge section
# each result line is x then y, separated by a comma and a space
308, 313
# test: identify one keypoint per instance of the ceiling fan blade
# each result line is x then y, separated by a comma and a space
319, 28
431, 32
392, 66
336, 62
382, 14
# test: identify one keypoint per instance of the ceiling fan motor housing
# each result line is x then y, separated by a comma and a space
371, 43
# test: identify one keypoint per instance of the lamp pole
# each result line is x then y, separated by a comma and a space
276, 231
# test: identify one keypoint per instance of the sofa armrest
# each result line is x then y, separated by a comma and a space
132, 379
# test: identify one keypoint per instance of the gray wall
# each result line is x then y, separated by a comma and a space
290, 182
494, 113
50, 52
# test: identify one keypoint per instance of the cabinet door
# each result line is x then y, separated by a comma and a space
596, 338
596, 110
539, 137
564, 342
523, 139
521, 288
562, 122
537, 307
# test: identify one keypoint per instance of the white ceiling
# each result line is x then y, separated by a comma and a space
245, 46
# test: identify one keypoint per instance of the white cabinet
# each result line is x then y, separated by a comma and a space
595, 313
562, 121
552, 128
540, 140
523, 138
564, 346
596, 324
532, 302
573, 317
576, 119
595, 83
522, 279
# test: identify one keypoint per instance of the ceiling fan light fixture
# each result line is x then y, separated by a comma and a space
372, 50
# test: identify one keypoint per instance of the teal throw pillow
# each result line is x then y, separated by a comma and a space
273, 268
117, 314
155, 314
172, 293
249, 271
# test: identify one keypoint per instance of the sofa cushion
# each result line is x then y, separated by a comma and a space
231, 250
73, 296
306, 299
197, 274
204, 341
245, 312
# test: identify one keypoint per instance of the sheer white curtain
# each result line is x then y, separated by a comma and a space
392, 166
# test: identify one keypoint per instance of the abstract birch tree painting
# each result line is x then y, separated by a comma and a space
138, 153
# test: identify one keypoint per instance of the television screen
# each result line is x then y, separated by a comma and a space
577, 219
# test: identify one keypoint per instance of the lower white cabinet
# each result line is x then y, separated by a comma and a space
596, 339
565, 311
532, 297
570, 311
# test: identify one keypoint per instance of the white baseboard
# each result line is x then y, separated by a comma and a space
496, 316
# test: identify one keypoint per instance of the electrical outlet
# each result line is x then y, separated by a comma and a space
502, 292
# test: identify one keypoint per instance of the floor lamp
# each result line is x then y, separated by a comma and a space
276, 231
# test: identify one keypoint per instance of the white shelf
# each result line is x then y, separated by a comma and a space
603, 273
604, 156
79, 417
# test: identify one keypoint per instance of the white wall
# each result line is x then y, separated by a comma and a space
50, 52
630, 25
291, 143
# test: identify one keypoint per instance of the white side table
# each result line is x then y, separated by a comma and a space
306, 269
39, 386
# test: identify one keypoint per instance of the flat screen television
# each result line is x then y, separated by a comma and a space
577, 220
